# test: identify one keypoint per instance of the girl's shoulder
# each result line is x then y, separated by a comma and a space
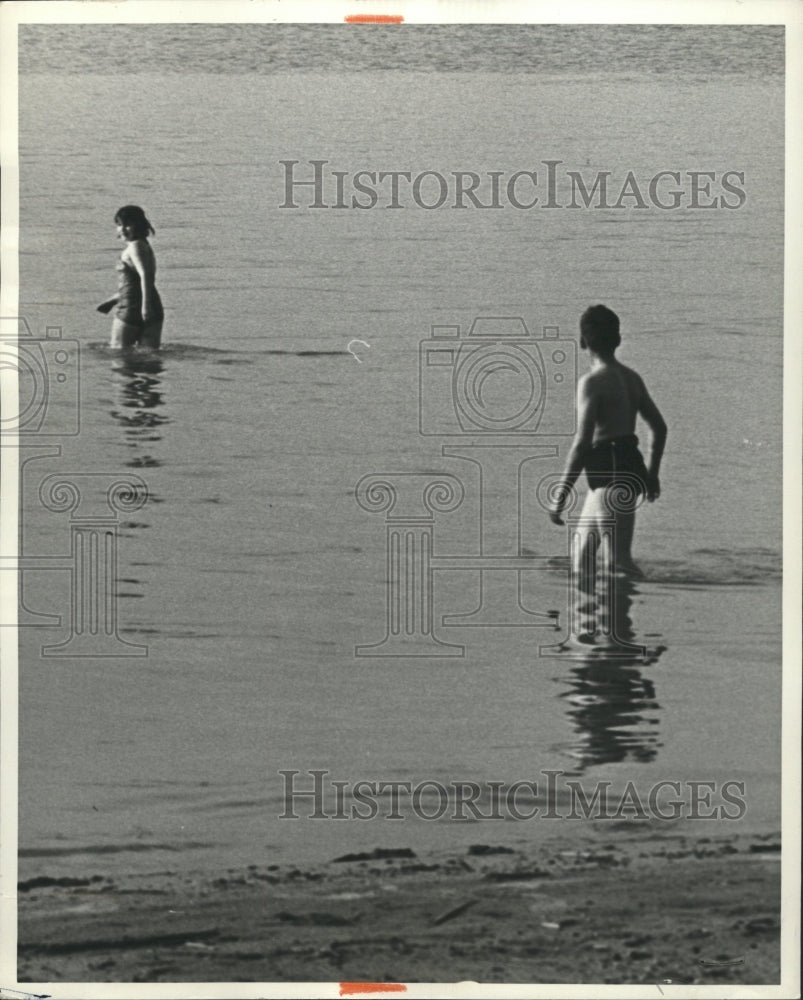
138, 249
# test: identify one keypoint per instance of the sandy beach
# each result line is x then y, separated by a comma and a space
625, 910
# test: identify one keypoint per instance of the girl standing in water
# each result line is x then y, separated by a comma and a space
139, 316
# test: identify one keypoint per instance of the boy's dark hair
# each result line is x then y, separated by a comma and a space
133, 215
599, 329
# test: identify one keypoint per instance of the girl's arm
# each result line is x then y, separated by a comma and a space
108, 305
145, 269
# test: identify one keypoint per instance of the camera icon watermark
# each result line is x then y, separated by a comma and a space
47, 379
497, 378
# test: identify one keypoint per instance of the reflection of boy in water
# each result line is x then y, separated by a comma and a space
609, 398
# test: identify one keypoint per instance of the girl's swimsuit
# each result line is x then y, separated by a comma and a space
606, 460
129, 297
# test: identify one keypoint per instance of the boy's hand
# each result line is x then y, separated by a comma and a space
561, 498
653, 488
106, 307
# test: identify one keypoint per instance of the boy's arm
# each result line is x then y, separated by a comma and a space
652, 416
586, 416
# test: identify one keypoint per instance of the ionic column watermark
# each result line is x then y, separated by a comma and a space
409, 502
94, 501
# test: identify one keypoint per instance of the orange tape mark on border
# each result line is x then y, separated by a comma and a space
373, 19
349, 988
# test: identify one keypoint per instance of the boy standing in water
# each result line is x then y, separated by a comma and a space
609, 398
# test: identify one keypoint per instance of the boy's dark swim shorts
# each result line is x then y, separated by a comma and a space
606, 460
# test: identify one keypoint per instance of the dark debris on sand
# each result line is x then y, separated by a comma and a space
690, 911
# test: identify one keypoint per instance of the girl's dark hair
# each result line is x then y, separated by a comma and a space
132, 215
599, 329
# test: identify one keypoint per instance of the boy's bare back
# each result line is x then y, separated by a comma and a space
616, 395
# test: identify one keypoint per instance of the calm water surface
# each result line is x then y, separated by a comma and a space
252, 573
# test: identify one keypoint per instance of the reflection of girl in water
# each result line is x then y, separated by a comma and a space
138, 317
